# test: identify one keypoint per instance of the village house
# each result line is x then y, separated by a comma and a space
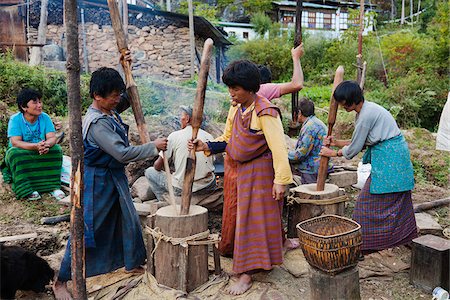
325, 18
159, 40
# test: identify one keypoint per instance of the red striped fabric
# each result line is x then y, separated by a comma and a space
257, 231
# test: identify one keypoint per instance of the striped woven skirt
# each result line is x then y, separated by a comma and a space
226, 243
387, 220
27, 171
258, 238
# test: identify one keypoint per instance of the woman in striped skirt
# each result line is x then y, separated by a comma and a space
33, 161
258, 147
384, 207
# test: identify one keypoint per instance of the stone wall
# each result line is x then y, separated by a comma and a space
157, 51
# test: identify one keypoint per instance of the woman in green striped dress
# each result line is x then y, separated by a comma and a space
32, 163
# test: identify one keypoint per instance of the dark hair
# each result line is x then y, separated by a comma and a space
25, 96
242, 73
348, 92
306, 107
265, 73
104, 81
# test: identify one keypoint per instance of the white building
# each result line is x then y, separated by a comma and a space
242, 31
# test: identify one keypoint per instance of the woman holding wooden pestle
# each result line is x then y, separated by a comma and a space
384, 207
258, 146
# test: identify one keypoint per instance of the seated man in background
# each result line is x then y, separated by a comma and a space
305, 158
33, 161
177, 152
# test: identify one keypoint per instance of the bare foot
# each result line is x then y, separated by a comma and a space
60, 290
291, 244
139, 270
241, 286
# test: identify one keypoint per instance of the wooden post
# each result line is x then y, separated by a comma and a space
36, 52
150, 246
363, 76
76, 150
323, 167
191, 37
197, 117
125, 18
297, 41
402, 18
83, 35
131, 85
359, 57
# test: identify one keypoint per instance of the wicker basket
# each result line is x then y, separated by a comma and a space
330, 243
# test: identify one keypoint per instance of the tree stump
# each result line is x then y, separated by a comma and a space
182, 268
430, 263
298, 211
343, 285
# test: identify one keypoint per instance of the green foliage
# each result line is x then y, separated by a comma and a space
254, 6
200, 9
429, 164
52, 84
274, 53
261, 23
3, 135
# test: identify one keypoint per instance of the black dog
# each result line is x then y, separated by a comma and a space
22, 270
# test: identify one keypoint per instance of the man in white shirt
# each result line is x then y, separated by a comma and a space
177, 152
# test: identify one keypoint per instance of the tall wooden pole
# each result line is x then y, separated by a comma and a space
36, 52
359, 58
76, 150
323, 167
191, 37
197, 117
402, 18
297, 42
125, 18
126, 65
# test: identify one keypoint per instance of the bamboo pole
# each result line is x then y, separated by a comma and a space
359, 57
191, 38
36, 53
76, 150
323, 167
197, 116
297, 42
126, 65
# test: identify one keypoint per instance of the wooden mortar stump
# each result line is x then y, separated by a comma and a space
343, 285
176, 266
298, 212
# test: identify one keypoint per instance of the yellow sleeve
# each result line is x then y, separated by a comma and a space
274, 134
225, 137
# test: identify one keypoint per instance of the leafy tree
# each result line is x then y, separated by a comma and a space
200, 9
261, 23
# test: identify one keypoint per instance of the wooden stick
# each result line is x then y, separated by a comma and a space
431, 204
297, 42
150, 245
169, 183
360, 41
76, 151
18, 237
363, 76
217, 266
131, 84
197, 116
323, 167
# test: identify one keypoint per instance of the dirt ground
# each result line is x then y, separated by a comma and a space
20, 217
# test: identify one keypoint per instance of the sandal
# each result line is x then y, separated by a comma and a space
33, 196
58, 194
